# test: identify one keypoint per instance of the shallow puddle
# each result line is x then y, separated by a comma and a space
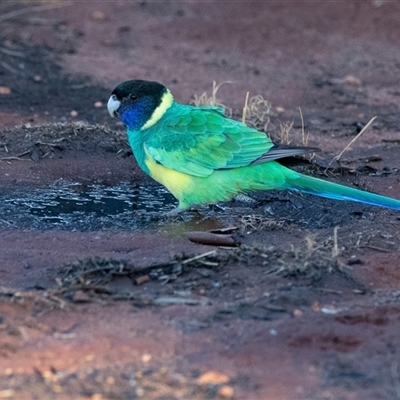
72, 206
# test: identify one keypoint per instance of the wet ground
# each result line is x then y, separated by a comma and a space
286, 296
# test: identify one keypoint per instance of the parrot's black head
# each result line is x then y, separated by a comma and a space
139, 104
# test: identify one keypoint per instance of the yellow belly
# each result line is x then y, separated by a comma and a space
176, 182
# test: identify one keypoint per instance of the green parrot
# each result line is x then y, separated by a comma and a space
202, 157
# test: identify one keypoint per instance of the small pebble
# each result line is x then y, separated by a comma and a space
297, 312
226, 392
5, 90
98, 16
212, 378
352, 80
110, 380
146, 357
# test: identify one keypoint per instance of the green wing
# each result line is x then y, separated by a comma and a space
199, 140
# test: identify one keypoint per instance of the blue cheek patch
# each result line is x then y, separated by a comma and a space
135, 115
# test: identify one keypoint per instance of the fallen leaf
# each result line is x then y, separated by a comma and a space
212, 239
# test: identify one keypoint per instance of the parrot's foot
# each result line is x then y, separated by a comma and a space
179, 211
175, 212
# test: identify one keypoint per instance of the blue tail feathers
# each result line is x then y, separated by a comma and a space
319, 187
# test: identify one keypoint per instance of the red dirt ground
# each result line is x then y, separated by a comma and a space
275, 318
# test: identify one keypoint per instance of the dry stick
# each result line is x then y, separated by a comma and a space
209, 253
12, 158
304, 138
391, 140
8, 67
381, 249
335, 249
302, 127
12, 53
245, 108
28, 10
353, 140
214, 93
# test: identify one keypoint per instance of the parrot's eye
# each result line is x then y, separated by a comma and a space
133, 97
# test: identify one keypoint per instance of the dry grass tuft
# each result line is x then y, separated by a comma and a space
205, 100
286, 132
258, 223
312, 259
257, 113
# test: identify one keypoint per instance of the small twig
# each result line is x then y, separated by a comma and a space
55, 144
304, 138
12, 158
209, 253
11, 52
8, 67
18, 157
381, 249
245, 108
24, 153
327, 290
302, 125
337, 158
391, 140
209, 263
335, 249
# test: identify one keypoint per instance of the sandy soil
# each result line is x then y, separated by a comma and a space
305, 305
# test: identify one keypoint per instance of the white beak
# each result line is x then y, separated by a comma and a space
113, 105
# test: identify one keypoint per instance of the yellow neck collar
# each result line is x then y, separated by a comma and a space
166, 102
